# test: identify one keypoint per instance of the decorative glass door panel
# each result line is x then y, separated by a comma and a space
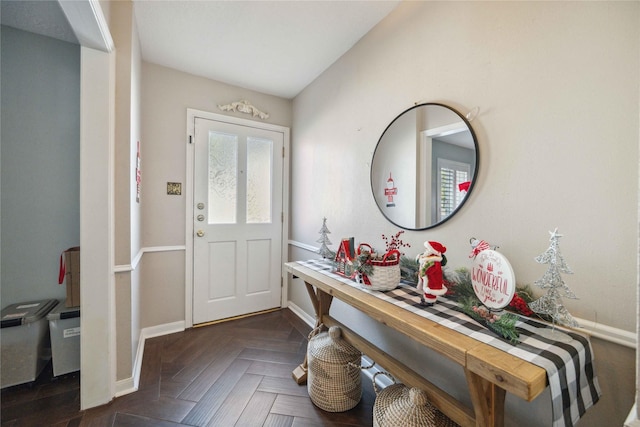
223, 177
259, 171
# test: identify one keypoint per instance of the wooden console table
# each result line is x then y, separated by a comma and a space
490, 372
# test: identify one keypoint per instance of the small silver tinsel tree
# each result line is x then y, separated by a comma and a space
324, 250
551, 303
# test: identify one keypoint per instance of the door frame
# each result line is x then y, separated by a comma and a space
192, 114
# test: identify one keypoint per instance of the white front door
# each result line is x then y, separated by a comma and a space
237, 219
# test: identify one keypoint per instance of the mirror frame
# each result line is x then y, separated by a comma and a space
474, 173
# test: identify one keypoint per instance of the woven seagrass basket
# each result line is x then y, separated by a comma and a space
398, 405
333, 381
386, 272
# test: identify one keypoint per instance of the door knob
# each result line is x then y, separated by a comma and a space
200, 233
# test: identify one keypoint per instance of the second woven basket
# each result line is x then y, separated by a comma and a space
398, 405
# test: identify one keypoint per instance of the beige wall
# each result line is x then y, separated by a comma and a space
127, 209
557, 87
166, 95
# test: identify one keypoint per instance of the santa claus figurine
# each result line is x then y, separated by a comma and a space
430, 280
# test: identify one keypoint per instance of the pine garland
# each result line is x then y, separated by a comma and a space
503, 325
409, 269
459, 284
361, 263
460, 287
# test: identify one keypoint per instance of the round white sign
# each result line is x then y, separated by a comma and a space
492, 278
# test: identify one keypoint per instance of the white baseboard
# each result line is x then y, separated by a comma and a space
632, 420
609, 333
306, 318
382, 381
125, 386
129, 385
160, 330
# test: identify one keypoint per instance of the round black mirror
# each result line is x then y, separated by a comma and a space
424, 166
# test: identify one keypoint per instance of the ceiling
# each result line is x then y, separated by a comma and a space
40, 17
273, 47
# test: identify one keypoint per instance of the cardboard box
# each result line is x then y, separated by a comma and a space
72, 276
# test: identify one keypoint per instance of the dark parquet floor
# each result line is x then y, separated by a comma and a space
236, 373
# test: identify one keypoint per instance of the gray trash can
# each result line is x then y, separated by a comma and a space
25, 341
64, 327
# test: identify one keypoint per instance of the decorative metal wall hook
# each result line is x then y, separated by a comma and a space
472, 113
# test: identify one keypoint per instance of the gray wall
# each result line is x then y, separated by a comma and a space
40, 162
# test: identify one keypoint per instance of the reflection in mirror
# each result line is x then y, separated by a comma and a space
424, 166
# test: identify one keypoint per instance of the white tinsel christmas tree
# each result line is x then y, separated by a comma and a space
324, 250
551, 303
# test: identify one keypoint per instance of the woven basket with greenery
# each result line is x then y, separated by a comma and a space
378, 273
